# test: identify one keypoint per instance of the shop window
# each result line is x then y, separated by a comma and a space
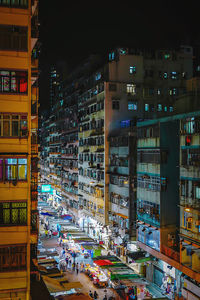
15, 82
13, 125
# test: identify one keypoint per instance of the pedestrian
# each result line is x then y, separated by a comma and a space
63, 252
69, 263
82, 267
90, 294
77, 268
67, 259
105, 297
46, 232
73, 266
95, 295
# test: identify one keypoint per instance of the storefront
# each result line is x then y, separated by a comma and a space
163, 275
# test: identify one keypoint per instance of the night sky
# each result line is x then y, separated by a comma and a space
72, 30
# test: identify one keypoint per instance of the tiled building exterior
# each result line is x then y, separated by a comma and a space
18, 145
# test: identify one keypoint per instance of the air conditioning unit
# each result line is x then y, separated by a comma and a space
171, 236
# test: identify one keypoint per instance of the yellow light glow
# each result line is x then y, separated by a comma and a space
187, 209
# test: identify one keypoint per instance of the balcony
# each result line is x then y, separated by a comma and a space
152, 220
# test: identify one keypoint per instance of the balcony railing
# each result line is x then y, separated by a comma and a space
170, 253
152, 220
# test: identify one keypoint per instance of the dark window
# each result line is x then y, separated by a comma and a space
115, 104
14, 3
112, 87
13, 38
12, 258
13, 82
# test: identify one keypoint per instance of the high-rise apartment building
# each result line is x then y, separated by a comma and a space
131, 85
168, 197
111, 94
18, 145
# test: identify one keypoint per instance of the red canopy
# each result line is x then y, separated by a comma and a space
103, 262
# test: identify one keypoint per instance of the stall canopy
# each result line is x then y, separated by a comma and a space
103, 262
46, 214
55, 286
66, 217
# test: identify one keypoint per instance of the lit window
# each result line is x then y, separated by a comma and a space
132, 105
13, 125
171, 108
165, 108
132, 70
167, 56
125, 124
146, 107
111, 56
98, 76
165, 75
174, 75
158, 91
173, 92
13, 169
131, 88
159, 107
14, 82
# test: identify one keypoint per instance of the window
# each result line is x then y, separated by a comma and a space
132, 105
159, 107
13, 169
13, 38
115, 104
125, 124
13, 125
15, 82
159, 91
111, 56
132, 70
146, 107
173, 92
13, 213
131, 88
112, 87
14, 3
174, 75
165, 75
12, 258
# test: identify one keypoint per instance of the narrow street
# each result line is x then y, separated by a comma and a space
53, 243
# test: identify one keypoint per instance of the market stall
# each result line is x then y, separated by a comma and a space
96, 275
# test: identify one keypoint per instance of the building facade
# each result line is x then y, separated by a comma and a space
18, 145
168, 200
